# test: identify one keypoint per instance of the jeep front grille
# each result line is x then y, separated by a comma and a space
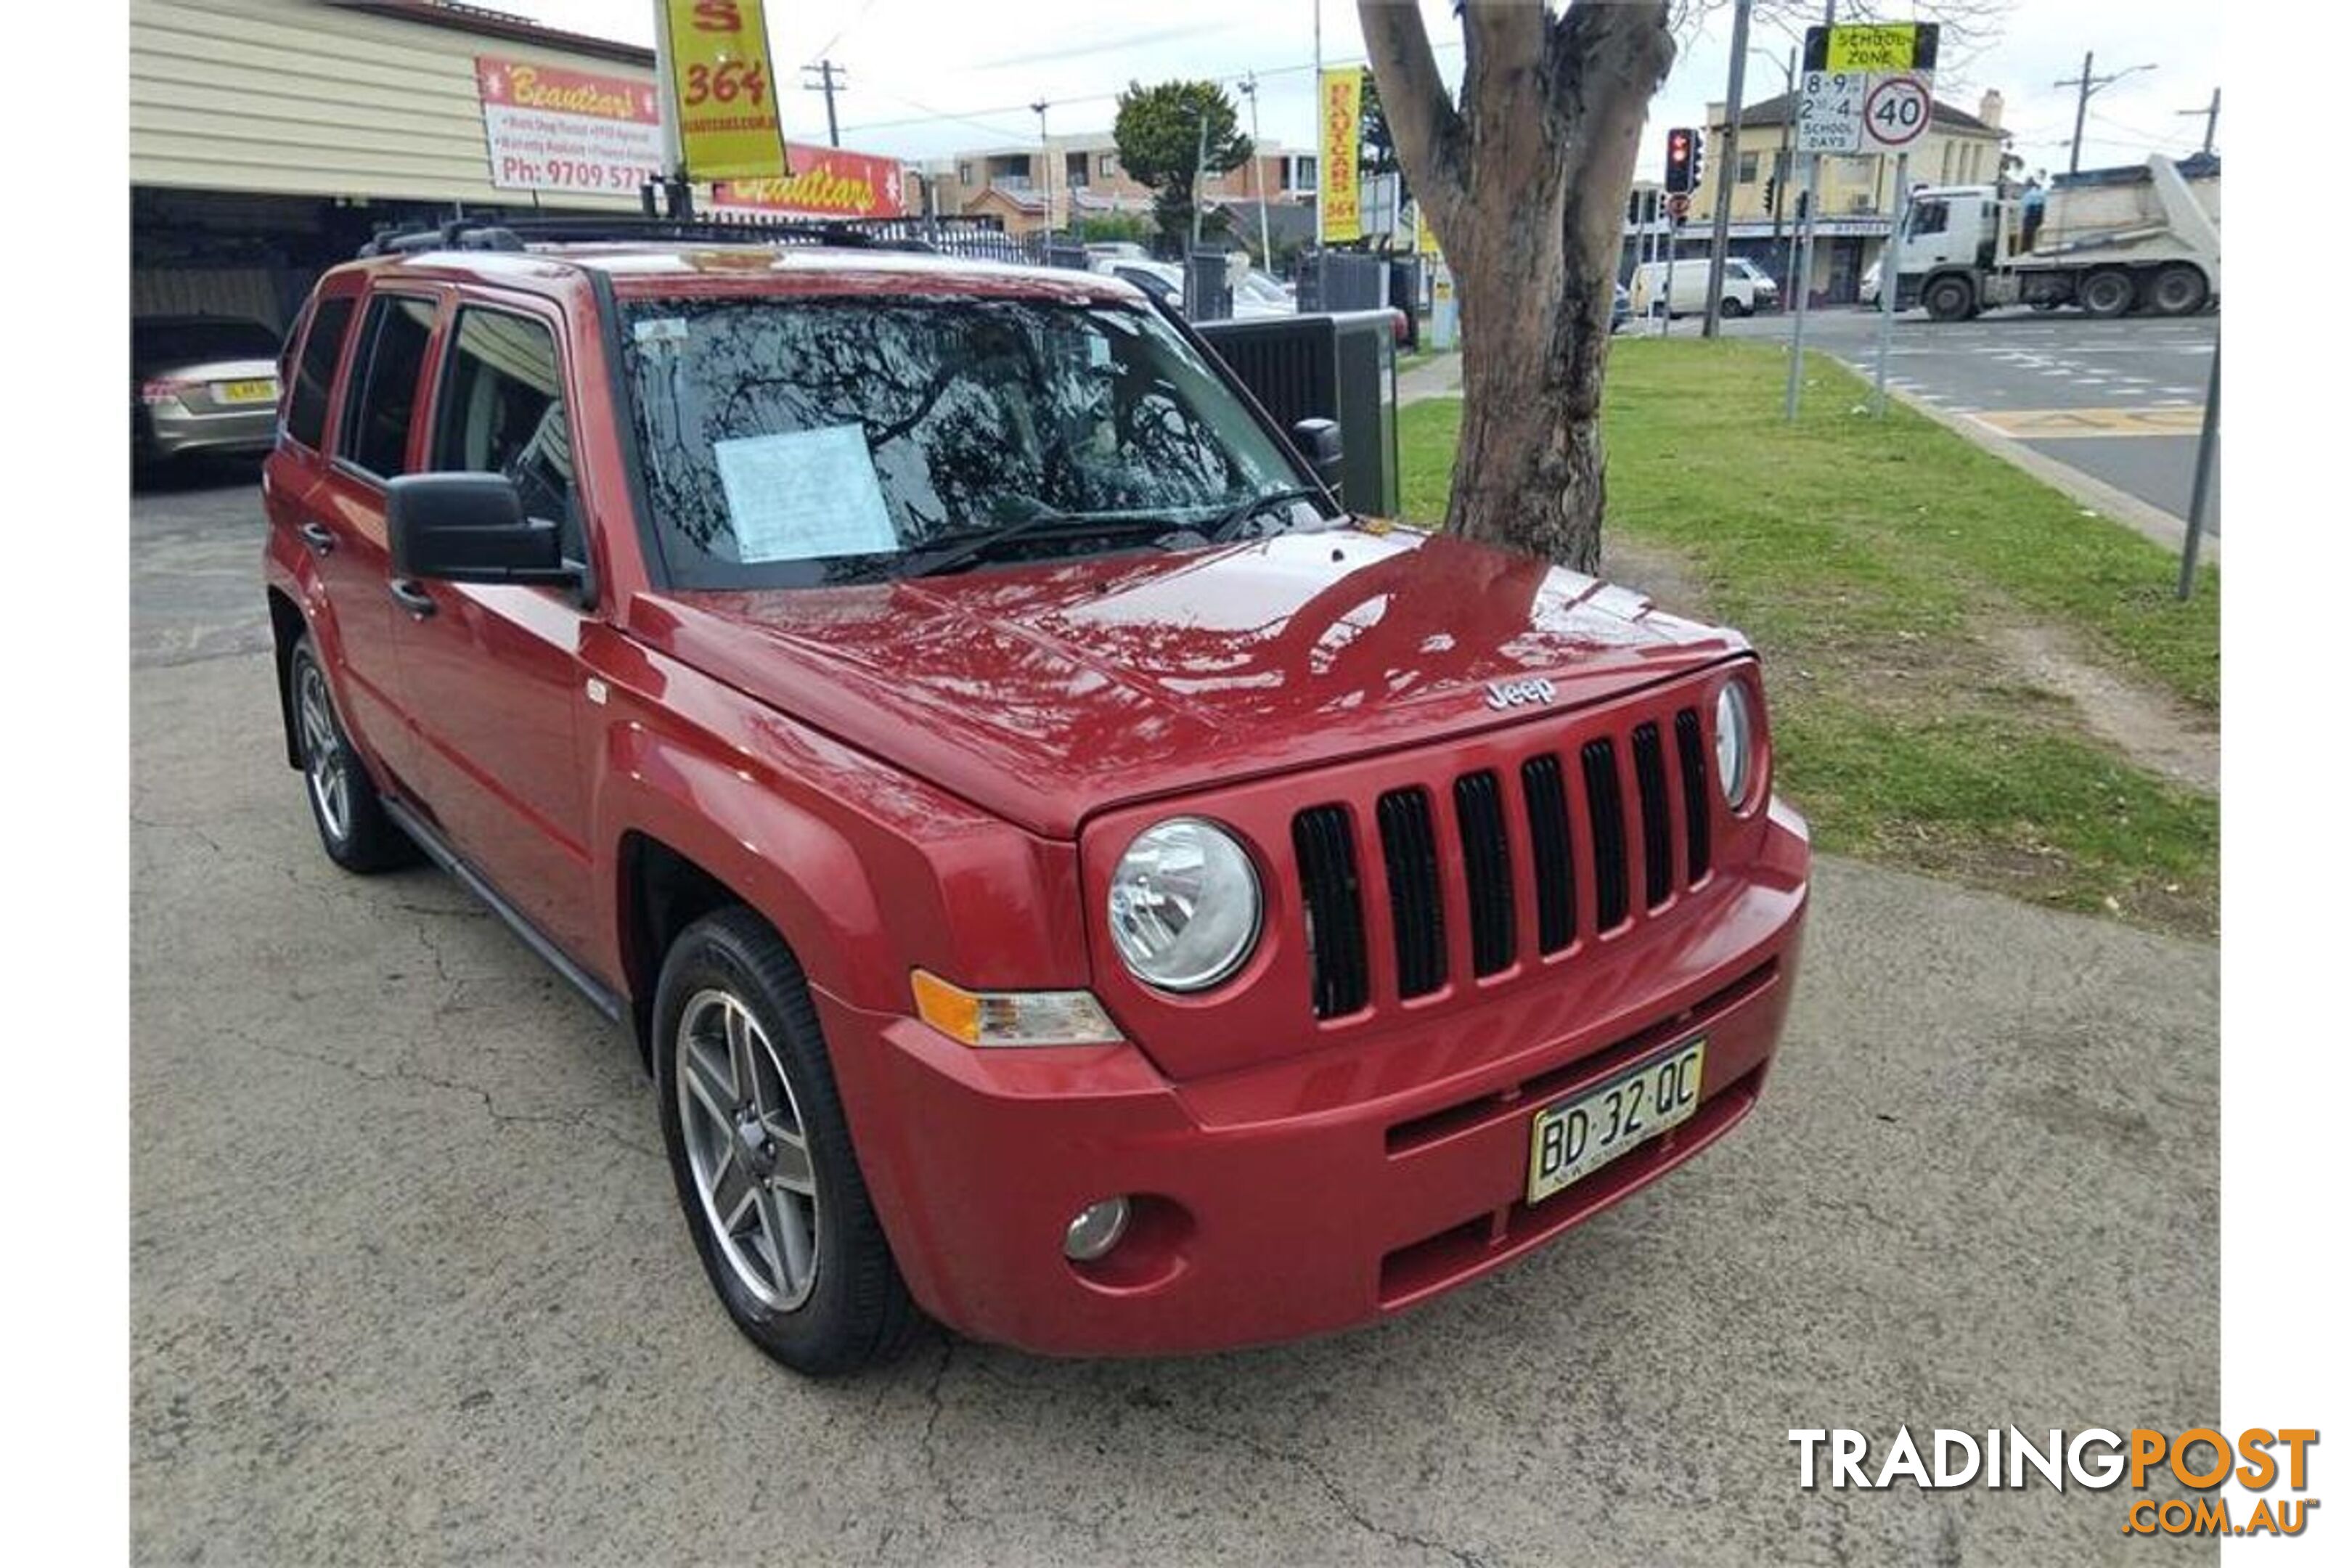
1532, 854
1326, 842
1416, 901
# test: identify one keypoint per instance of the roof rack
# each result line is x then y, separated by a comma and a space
522, 233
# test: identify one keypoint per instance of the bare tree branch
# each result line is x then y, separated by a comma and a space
1611, 60
1431, 142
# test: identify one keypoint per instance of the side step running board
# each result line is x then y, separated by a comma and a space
604, 998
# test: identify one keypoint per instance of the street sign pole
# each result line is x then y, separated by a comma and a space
2207, 441
1666, 320
1890, 275
1803, 245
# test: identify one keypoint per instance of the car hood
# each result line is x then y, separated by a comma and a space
1044, 693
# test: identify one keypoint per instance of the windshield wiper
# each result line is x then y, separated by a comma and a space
960, 550
1230, 523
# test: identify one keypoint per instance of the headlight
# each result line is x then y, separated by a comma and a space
1734, 743
1184, 905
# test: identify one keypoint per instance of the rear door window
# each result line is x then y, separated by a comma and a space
306, 418
393, 339
501, 411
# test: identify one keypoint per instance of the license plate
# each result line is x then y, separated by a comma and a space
246, 390
1576, 1137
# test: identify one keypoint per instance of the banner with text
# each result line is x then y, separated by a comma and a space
1340, 104
826, 182
723, 86
550, 129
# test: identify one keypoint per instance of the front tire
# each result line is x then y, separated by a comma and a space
352, 825
1950, 299
761, 1155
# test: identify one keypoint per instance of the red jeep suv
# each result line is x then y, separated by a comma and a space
1065, 873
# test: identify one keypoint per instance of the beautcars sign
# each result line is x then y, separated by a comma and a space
826, 182
550, 129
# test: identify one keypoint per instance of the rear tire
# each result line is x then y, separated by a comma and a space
353, 827
2177, 291
761, 1154
2106, 293
1950, 299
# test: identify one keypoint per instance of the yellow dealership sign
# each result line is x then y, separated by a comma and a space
722, 90
1340, 104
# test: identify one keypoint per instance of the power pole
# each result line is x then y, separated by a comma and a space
2212, 112
1727, 170
1785, 165
2084, 86
1199, 160
2082, 105
831, 78
1320, 176
1257, 176
1044, 162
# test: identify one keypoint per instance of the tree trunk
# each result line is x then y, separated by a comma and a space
1526, 185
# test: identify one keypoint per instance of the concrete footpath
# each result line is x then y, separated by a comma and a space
408, 1280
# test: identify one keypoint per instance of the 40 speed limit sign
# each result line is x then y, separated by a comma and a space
1894, 113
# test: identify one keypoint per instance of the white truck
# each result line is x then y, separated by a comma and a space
2143, 237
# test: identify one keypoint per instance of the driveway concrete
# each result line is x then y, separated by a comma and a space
408, 1280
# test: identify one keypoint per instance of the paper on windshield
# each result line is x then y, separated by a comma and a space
804, 494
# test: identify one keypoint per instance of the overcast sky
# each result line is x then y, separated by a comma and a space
929, 78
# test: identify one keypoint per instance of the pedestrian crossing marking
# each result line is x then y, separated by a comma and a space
2053, 423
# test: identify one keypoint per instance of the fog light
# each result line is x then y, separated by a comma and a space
1096, 1230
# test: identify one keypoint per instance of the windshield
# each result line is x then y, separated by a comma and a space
794, 442
1926, 217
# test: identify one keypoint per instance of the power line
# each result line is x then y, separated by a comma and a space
931, 116
2084, 86
2166, 140
826, 49
2211, 113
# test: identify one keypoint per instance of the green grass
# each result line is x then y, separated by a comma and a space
1871, 562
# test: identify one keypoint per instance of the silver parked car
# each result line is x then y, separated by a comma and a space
202, 383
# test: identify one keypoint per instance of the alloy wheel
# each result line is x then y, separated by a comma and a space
747, 1147
325, 762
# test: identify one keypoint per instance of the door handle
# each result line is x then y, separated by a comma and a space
317, 536
411, 596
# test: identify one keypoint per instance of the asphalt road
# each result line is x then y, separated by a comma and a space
2120, 400
408, 1283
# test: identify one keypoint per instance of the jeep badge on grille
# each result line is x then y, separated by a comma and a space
1501, 694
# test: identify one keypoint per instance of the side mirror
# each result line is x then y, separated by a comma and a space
1318, 442
470, 527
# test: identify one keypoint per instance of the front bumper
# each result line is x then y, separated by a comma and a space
1311, 1193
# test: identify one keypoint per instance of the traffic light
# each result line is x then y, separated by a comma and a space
1772, 195
1681, 159
1698, 156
